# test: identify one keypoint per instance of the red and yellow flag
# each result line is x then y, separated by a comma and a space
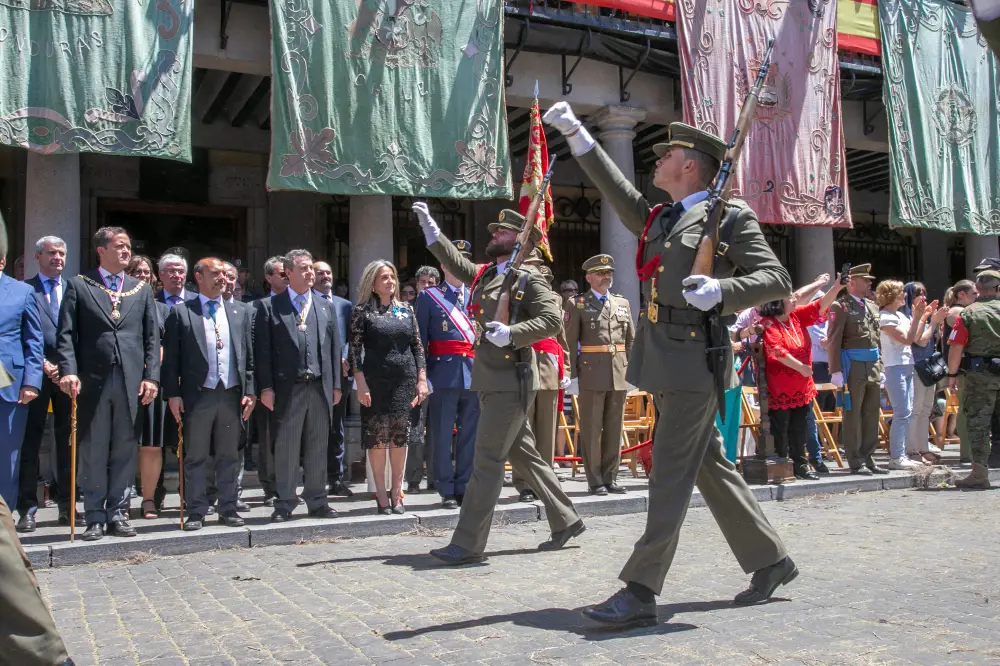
534, 171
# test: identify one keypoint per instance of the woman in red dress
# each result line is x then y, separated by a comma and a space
788, 354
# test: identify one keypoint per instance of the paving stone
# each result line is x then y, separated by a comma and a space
142, 546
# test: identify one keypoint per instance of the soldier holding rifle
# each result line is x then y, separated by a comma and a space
506, 376
672, 345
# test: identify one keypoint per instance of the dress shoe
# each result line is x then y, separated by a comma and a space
95, 531
211, 510
269, 500
64, 518
449, 503
615, 488
806, 474
526, 496
861, 471
819, 466
301, 500
413, 488
559, 539
431, 486
26, 523
765, 581
193, 522
456, 555
598, 490
280, 516
624, 609
242, 506
323, 512
398, 509
873, 468
231, 519
340, 489
121, 528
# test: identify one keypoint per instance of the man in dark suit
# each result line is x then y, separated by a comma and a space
172, 271
50, 253
296, 345
342, 309
108, 351
207, 379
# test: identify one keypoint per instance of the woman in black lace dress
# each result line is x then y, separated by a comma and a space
387, 360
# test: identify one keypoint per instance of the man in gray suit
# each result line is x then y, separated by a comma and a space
296, 344
277, 283
342, 309
207, 377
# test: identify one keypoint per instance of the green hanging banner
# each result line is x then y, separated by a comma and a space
389, 97
942, 98
101, 76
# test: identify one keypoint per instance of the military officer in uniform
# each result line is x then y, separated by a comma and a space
553, 374
856, 367
669, 358
601, 323
975, 348
504, 430
449, 336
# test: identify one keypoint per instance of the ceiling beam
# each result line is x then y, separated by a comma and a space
219, 103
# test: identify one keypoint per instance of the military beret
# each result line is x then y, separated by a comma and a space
989, 263
685, 136
513, 221
861, 271
599, 262
463, 246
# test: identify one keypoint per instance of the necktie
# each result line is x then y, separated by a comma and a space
301, 301
53, 296
174, 300
113, 282
328, 297
676, 212
213, 307
603, 299
460, 298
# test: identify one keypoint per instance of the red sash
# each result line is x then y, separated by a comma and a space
646, 271
471, 307
450, 348
551, 346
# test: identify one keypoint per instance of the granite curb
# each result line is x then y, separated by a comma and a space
354, 527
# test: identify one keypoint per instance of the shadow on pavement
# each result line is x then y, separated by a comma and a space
420, 561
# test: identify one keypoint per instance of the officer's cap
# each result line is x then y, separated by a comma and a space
861, 271
684, 136
989, 263
534, 258
600, 262
464, 247
546, 273
513, 221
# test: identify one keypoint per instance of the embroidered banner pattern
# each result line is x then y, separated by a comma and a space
792, 170
100, 76
389, 97
942, 93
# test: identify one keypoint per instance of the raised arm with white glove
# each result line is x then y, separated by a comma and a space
560, 115
427, 223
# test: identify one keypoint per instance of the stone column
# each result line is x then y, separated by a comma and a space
52, 208
617, 125
370, 235
978, 248
813, 254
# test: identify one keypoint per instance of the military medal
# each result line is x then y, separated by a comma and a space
303, 314
444, 325
593, 325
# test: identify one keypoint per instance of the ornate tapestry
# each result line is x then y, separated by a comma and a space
942, 94
389, 97
792, 169
101, 76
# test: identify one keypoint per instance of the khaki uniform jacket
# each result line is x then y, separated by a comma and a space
590, 322
539, 318
852, 326
548, 369
670, 355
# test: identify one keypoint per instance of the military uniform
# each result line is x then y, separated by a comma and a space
853, 351
602, 325
977, 330
504, 430
668, 359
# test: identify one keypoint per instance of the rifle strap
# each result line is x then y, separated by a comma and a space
726, 230
517, 298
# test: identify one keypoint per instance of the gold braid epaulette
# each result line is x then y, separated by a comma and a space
109, 292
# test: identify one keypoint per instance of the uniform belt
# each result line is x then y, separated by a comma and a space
987, 364
601, 349
671, 315
451, 348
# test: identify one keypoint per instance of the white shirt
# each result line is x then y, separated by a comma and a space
292, 294
328, 297
502, 267
816, 333
694, 199
893, 352
218, 359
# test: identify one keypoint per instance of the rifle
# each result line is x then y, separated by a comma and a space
522, 247
704, 258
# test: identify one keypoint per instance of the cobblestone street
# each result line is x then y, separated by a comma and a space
891, 577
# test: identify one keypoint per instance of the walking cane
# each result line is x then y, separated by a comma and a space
72, 470
180, 465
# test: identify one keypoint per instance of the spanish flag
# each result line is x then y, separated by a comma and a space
534, 171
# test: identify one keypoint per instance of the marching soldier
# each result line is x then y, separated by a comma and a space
449, 338
975, 348
553, 374
855, 366
503, 429
669, 358
601, 323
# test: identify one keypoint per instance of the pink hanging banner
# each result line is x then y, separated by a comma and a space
792, 169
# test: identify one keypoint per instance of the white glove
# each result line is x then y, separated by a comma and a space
498, 334
881, 379
427, 223
706, 294
560, 115
574, 387
837, 379
564, 383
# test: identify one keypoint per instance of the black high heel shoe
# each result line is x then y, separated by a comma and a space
383, 510
399, 509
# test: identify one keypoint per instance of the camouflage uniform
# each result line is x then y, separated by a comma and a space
981, 322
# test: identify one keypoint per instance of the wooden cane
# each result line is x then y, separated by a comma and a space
72, 470
180, 465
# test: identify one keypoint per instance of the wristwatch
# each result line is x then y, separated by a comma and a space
953, 374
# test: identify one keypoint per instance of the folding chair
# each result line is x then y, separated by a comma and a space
828, 425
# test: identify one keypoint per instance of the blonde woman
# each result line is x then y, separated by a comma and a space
387, 360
